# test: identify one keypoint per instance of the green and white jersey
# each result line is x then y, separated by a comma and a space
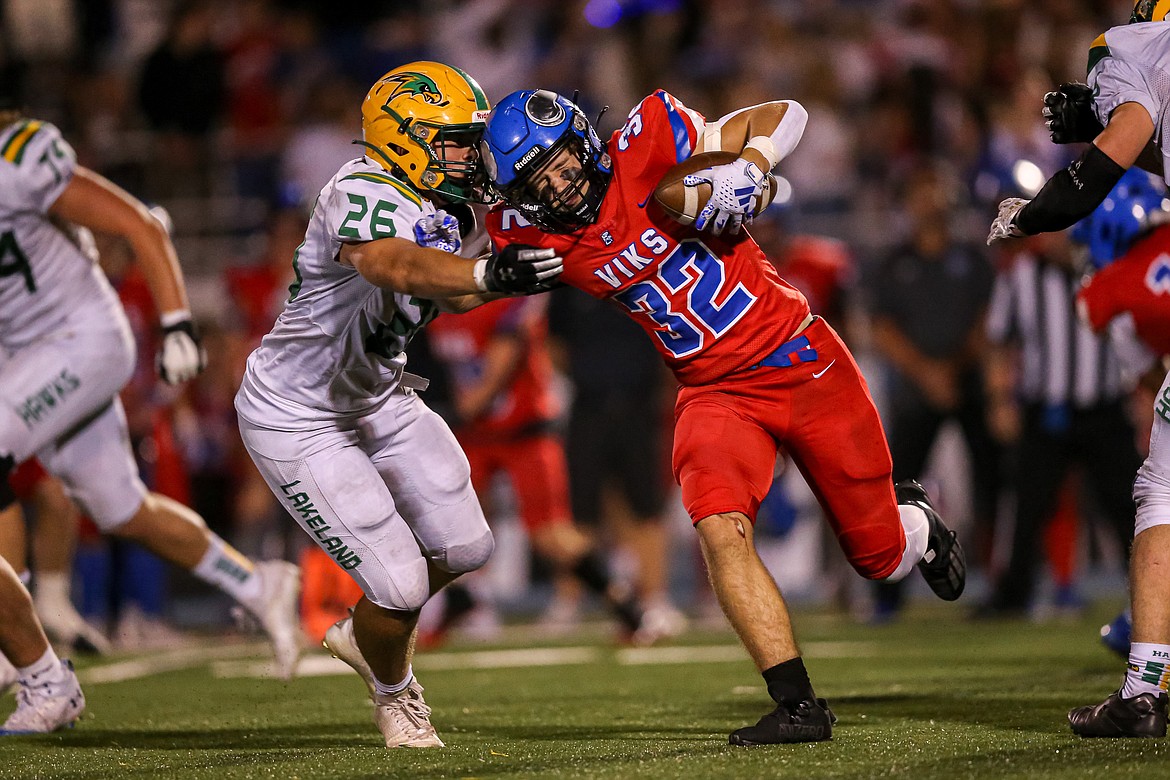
338, 348
49, 278
1131, 64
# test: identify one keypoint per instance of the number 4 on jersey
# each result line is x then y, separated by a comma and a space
14, 261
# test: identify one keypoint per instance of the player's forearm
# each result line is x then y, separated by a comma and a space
461, 304
763, 134
403, 266
156, 257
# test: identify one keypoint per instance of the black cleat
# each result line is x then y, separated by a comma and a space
1142, 716
944, 567
807, 721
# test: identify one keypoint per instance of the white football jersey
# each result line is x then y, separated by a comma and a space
338, 348
49, 278
1131, 64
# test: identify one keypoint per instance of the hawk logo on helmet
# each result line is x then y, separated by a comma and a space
415, 84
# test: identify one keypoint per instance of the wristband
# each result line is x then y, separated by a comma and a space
479, 274
765, 148
169, 319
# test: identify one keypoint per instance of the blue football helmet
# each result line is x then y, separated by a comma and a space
1112, 227
527, 131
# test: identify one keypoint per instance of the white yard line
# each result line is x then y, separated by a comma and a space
166, 661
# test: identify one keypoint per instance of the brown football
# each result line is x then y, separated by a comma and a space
684, 203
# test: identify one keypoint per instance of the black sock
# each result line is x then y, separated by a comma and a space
593, 572
788, 682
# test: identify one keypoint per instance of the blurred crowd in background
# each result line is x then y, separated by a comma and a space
231, 115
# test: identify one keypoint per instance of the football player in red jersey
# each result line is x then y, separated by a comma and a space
757, 370
505, 412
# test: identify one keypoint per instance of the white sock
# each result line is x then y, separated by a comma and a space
1149, 670
229, 571
384, 690
25, 577
45, 668
916, 527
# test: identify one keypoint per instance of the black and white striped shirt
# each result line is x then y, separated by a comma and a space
1062, 360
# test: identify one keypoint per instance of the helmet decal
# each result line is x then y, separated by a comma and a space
413, 83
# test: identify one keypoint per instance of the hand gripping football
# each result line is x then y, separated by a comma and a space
684, 203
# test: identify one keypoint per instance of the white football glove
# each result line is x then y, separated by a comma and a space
1004, 225
439, 231
735, 190
180, 355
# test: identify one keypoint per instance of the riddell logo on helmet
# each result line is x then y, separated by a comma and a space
527, 158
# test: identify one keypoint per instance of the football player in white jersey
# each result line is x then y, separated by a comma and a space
326, 409
70, 351
1124, 114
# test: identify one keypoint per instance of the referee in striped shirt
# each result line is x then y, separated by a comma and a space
1055, 390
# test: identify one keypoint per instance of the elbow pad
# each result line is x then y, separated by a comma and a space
1071, 194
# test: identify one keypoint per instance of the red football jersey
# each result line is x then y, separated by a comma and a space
460, 342
713, 305
1138, 283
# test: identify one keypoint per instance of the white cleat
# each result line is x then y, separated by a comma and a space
340, 641
8, 675
278, 613
404, 718
46, 706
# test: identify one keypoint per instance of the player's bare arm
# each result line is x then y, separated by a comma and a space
92, 201
763, 134
1127, 135
403, 266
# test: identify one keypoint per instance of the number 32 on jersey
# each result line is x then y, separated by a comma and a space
686, 299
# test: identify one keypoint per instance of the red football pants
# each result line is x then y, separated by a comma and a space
727, 435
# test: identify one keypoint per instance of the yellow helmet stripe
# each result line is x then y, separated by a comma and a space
13, 151
1099, 50
383, 178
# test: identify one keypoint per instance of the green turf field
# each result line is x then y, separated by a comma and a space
929, 697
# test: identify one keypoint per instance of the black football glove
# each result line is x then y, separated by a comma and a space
180, 355
519, 269
1068, 113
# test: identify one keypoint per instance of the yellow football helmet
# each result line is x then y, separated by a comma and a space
1149, 11
413, 111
